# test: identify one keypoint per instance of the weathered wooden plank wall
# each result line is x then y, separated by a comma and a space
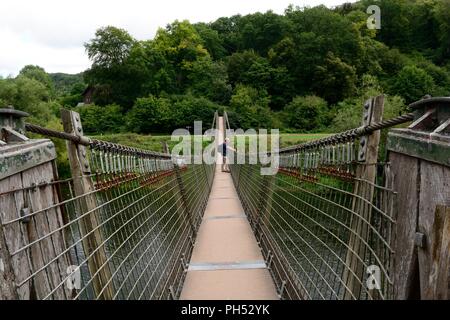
406, 177
17, 235
434, 192
420, 159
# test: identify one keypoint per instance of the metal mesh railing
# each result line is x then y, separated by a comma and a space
129, 236
325, 220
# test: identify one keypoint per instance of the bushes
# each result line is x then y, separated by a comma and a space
165, 114
413, 83
308, 113
105, 119
335, 79
349, 111
187, 109
250, 108
149, 114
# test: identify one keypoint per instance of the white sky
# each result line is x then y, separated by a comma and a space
51, 33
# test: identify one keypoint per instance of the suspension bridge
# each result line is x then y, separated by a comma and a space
361, 214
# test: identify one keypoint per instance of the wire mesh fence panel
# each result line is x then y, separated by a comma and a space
316, 219
325, 220
129, 237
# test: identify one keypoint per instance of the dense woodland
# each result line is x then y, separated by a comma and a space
307, 70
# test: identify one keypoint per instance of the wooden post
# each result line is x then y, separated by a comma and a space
420, 158
437, 284
8, 289
27, 167
83, 185
365, 170
165, 147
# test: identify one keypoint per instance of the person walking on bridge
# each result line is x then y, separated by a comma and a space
223, 148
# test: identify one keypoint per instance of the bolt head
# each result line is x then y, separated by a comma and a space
420, 240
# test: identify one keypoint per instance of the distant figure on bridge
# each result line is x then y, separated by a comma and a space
223, 148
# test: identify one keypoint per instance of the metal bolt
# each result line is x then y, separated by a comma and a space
363, 142
24, 212
367, 106
420, 240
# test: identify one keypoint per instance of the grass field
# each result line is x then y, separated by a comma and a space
290, 139
154, 142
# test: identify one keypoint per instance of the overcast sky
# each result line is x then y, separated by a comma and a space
51, 33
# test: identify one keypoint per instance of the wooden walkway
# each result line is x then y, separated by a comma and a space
226, 263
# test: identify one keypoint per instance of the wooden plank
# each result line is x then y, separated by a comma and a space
7, 285
438, 285
40, 225
361, 209
405, 181
434, 191
15, 233
83, 185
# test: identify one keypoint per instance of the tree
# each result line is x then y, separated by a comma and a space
31, 96
309, 113
348, 114
442, 15
107, 119
170, 112
65, 83
188, 108
396, 23
228, 30
440, 76
412, 83
263, 64
260, 31
150, 115
251, 106
209, 79
37, 73
181, 46
111, 73
249, 68
111, 46
211, 40
325, 31
334, 80
157, 72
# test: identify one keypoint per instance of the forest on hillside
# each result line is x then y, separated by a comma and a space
307, 70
